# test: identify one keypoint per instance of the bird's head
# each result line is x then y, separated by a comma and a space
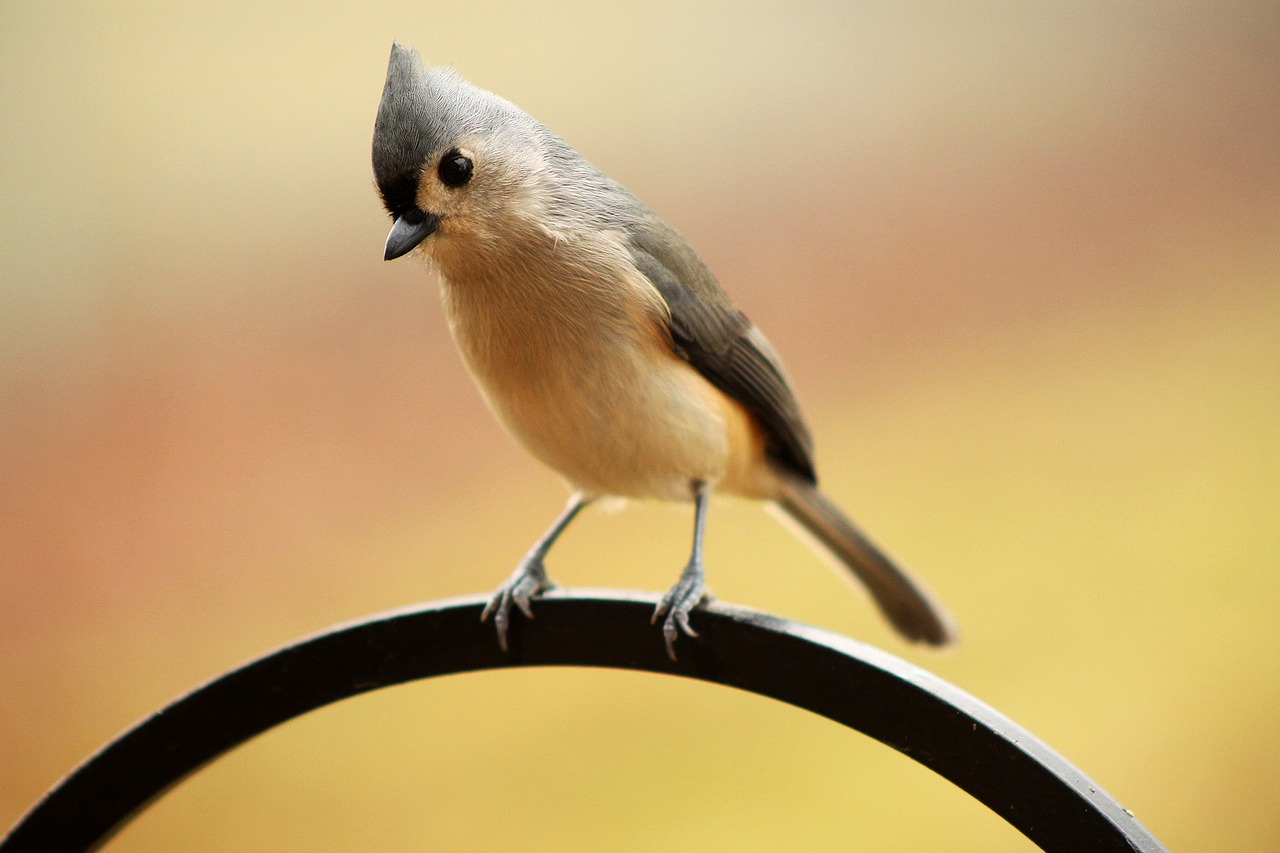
451, 159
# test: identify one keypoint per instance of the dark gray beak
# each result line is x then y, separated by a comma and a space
409, 230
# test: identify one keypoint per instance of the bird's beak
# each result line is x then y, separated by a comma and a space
409, 230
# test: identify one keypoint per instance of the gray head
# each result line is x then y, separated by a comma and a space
453, 158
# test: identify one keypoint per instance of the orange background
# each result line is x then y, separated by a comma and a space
1023, 262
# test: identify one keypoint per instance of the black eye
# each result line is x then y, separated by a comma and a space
454, 169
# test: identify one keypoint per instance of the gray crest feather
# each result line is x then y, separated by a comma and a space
399, 145
424, 111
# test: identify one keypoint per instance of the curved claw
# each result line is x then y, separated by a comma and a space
677, 622
528, 580
676, 605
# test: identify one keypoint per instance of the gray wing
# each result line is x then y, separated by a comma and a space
722, 344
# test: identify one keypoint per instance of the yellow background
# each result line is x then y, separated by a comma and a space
1023, 261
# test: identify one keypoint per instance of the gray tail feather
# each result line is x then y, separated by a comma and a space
901, 598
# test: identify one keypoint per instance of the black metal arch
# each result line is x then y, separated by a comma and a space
905, 707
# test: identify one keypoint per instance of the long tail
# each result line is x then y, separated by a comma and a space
901, 598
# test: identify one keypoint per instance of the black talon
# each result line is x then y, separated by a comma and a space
690, 590
528, 580
677, 604
530, 577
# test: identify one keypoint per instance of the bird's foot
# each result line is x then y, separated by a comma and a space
528, 580
678, 603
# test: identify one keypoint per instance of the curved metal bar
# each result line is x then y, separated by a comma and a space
895, 702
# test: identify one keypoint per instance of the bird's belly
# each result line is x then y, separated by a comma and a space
591, 386
622, 424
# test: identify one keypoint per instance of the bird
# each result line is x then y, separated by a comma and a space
600, 340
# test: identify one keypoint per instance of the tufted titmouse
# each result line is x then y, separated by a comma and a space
598, 337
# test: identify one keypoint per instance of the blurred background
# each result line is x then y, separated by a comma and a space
1023, 261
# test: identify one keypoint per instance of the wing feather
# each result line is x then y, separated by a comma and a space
719, 341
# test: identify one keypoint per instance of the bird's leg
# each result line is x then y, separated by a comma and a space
530, 577
690, 590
